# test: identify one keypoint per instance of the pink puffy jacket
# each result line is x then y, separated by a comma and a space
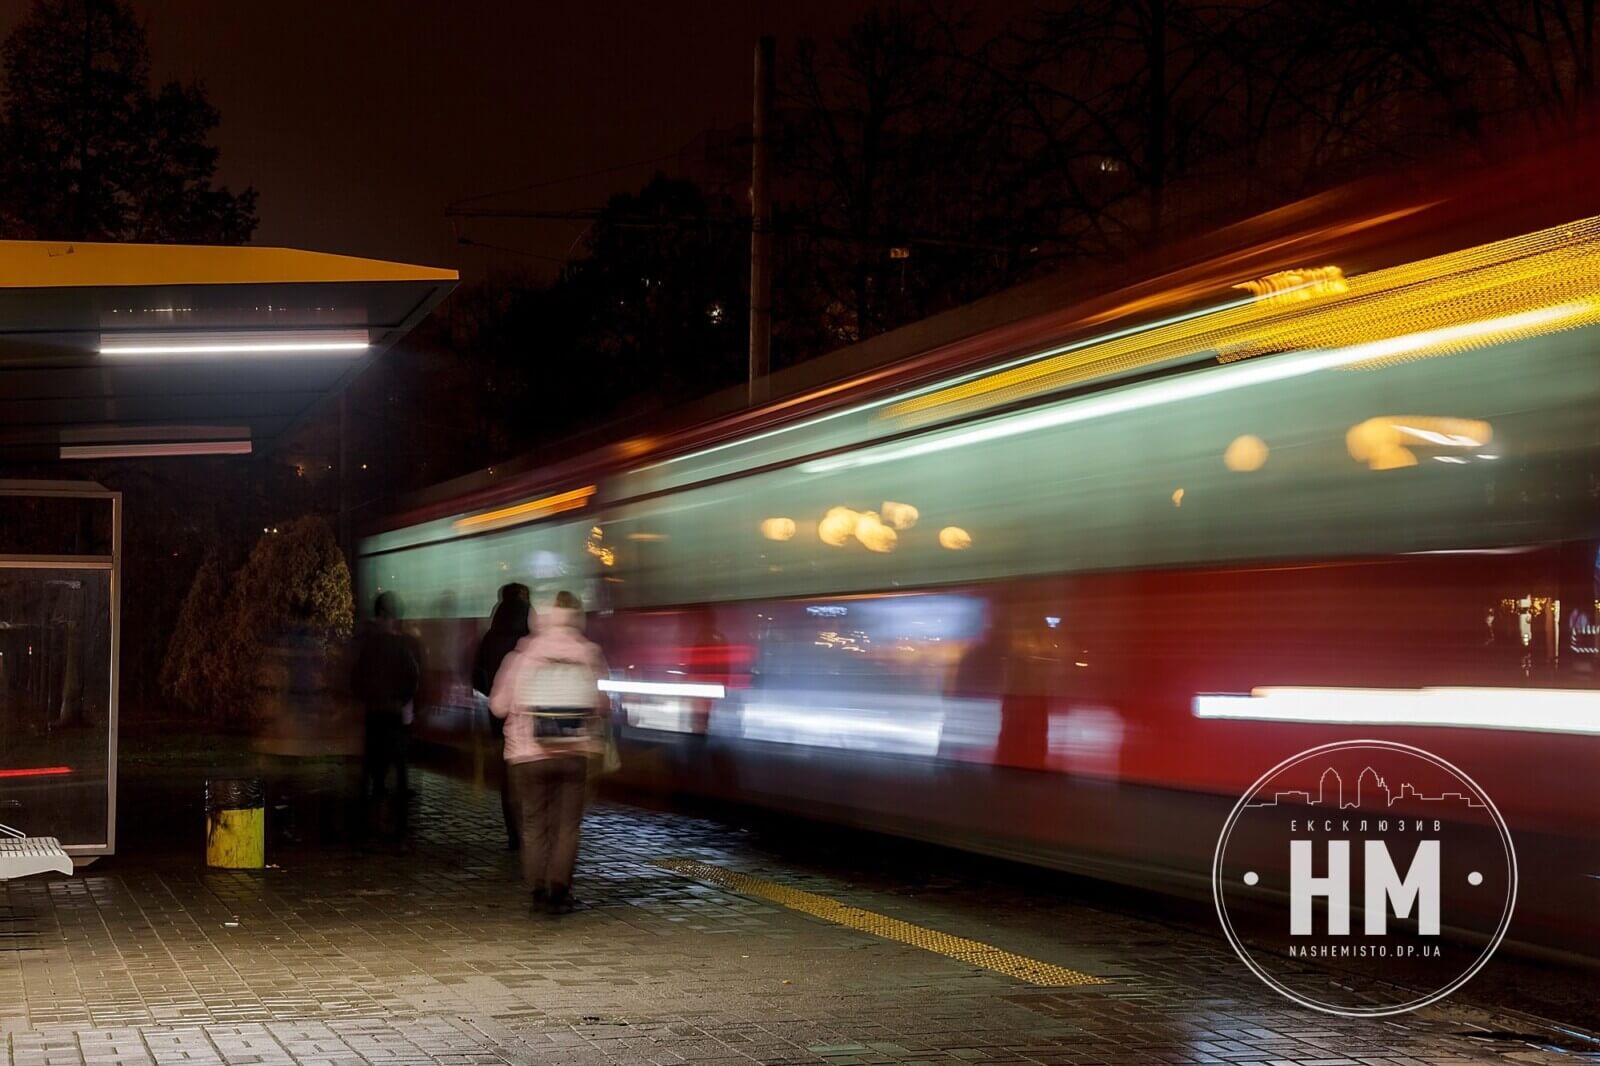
558, 637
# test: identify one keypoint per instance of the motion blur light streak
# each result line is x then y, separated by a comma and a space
665, 688
1543, 710
1222, 379
527, 512
1457, 440
1089, 738
666, 715
1551, 266
38, 771
913, 404
1032, 357
1297, 285
842, 727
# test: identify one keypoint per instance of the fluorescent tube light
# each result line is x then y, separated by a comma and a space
214, 342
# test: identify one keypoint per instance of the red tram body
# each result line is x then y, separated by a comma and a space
1058, 576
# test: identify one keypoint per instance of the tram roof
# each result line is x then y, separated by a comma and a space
185, 349
1364, 225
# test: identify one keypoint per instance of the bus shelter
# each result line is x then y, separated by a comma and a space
141, 352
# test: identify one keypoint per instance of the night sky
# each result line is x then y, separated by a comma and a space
359, 121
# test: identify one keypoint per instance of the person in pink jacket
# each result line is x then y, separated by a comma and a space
547, 690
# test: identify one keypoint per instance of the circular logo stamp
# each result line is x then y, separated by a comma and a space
1365, 878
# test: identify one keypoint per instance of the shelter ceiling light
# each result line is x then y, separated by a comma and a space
151, 451
226, 342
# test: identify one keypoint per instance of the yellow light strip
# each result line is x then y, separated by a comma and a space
526, 512
973, 952
1556, 266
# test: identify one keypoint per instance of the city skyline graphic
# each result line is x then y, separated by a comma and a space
1331, 793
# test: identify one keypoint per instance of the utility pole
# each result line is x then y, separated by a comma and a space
346, 542
761, 227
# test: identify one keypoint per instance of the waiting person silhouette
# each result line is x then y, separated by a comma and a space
384, 676
507, 626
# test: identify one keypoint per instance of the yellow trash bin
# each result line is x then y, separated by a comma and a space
236, 824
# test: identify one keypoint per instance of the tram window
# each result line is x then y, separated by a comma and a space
1039, 492
465, 573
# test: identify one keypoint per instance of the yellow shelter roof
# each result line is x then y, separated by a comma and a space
165, 347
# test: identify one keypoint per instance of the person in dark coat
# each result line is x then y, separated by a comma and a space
507, 625
384, 677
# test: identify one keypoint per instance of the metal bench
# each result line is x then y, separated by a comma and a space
23, 856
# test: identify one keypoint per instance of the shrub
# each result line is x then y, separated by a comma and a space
294, 578
185, 671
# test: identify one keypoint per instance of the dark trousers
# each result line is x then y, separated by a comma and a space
387, 739
508, 803
508, 811
549, 796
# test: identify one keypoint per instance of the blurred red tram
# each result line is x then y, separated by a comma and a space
1055, 577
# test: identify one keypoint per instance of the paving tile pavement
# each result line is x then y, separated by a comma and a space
340, 957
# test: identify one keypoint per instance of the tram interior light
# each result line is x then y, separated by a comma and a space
838, 526
1386, 442
1245, 454
955, 538
874, 535
1500, 330
778, 528
901, 516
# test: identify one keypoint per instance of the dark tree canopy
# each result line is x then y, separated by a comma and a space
923, 158
653, 313
659, 299
91, 152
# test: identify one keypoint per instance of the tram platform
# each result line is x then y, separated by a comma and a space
698, 942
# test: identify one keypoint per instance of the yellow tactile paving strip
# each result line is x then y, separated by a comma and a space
973, 952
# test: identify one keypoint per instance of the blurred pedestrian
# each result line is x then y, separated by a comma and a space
548, 693
294, 695
384, 676
507, 626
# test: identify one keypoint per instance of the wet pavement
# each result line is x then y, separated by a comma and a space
698, 942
